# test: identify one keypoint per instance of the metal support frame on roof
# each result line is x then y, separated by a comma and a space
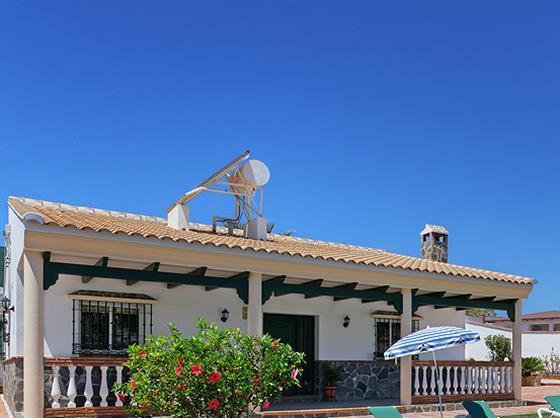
461, 302
313, 288
52, 270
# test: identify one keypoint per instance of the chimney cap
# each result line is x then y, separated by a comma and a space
438, 229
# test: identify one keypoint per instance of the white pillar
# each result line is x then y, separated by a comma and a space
517, 337
254, 314
33, 334
406, 362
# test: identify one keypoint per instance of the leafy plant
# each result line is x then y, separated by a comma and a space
219, 372
552, 362
331, 374
479, 312
532, 366
499, 347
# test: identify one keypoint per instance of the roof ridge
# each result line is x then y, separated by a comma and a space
196, 226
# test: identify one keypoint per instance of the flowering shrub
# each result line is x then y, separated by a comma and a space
217, 373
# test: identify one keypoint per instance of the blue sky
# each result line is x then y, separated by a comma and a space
374, 117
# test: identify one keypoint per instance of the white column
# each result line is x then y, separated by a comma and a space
406, 362
254, 314
33, 334
517, 337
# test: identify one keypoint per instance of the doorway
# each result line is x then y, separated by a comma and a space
299, 332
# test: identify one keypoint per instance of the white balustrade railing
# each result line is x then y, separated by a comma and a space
462, 378
88, 379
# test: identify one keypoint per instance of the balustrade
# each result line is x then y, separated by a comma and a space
486, 379
84, 382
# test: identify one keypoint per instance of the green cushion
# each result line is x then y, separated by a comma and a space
554, 401
384, 412
478, 409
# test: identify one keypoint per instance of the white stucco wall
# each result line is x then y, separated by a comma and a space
13, 284
536, 344
184, 304
440, 317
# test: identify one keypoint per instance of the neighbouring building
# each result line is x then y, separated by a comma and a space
541, 334
85, 283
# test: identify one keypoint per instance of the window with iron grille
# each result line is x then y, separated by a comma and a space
387, 331
105, 327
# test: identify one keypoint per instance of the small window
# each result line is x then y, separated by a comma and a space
539, 327
386, 333
556, 327
105, 327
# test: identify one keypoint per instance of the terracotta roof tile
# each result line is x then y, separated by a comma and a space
66, 216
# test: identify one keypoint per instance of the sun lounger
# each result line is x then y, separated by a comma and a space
479, 409
384, 412
554, 410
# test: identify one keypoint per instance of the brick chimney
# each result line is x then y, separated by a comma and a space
434, 241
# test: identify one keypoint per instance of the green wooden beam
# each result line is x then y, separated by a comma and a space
375, 294
102, 262
277, 279
463, 302
352, 285
487, 299
242, 275
52, 271
310, 284
150, 267
199, 272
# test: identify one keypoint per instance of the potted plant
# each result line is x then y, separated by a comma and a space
532, 369
331, 375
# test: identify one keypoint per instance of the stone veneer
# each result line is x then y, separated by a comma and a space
13, 385
363, 379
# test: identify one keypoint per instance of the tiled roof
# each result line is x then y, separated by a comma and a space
82, 218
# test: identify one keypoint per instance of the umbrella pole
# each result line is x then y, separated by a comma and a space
438, 378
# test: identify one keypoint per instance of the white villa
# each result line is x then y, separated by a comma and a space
85, 283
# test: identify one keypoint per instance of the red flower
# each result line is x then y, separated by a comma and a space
183, 386
265, 405
142, 353
121, 397
179, 370
274, 345
196, 370
213, 404
257, 381
215, 377
133, 384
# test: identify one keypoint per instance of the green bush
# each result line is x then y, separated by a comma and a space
532, 366
499, 346
219, 372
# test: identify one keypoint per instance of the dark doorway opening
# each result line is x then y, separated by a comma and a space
299, 332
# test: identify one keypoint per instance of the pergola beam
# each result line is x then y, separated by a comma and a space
52, 271
150, 267
463, 301
103, 261
242, 275
199, 272
348, 291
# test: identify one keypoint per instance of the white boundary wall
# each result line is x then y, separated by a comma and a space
537, 344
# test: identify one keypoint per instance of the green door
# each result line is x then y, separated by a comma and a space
299, 332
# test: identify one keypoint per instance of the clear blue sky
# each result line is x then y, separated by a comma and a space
374, 117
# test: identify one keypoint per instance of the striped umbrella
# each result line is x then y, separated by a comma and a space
431, 339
